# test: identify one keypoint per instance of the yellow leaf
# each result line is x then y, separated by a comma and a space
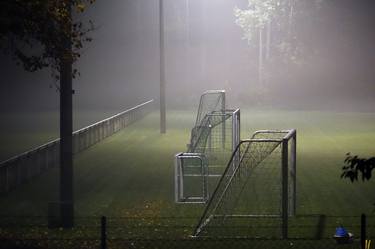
80, 7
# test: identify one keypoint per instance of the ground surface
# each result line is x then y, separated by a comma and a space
131, 173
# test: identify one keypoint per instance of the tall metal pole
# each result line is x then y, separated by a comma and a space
162, 70
187, 42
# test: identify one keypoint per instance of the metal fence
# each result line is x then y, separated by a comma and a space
166, 232
25, 166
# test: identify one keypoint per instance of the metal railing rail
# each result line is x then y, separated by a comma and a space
23, 167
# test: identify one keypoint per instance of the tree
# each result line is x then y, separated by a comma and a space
33, 32
254, 20
355, 166
271, 24
44, 34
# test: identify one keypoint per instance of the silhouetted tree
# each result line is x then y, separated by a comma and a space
40, 34
33, 32
358, 166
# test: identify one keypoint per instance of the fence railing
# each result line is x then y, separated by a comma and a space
23, 167
168, 233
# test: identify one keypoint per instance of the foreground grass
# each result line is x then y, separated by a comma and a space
131, 173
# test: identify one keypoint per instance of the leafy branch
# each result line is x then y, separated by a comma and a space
358, 166
34, 31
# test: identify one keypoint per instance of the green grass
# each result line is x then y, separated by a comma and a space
131, 173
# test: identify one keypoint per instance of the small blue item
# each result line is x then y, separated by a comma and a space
341, 232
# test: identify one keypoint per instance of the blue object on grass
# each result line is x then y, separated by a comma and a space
341, 232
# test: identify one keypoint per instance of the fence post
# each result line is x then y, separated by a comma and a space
103, 233
363, 231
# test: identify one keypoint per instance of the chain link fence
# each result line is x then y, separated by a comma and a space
175, 232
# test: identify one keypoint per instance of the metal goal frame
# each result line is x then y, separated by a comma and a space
214, 213
214, 138
186, 168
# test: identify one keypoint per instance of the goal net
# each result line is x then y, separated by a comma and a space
258, 182
213, 140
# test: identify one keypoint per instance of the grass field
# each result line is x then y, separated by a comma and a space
131, 173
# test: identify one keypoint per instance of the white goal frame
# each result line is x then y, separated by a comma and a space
226, 129
222, 193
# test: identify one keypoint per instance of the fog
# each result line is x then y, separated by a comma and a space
205, 49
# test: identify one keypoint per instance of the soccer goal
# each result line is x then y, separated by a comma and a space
213, 139
259, 181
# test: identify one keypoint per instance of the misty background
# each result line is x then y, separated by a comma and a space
205, 50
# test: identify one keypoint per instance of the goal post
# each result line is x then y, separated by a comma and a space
210, 101
213, 139
207, 157
191, 178
261, 184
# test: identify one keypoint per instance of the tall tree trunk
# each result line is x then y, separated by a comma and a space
162, 70
290, 21
266, 69
66, 130
268, 41
291, 41
260, 62
203, 44
290, 24
138, 16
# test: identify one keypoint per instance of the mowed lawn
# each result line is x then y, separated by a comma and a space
131, 173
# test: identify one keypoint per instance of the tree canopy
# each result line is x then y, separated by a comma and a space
257, 15
33, 32
283, 20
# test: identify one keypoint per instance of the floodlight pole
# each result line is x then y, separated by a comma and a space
162, 69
